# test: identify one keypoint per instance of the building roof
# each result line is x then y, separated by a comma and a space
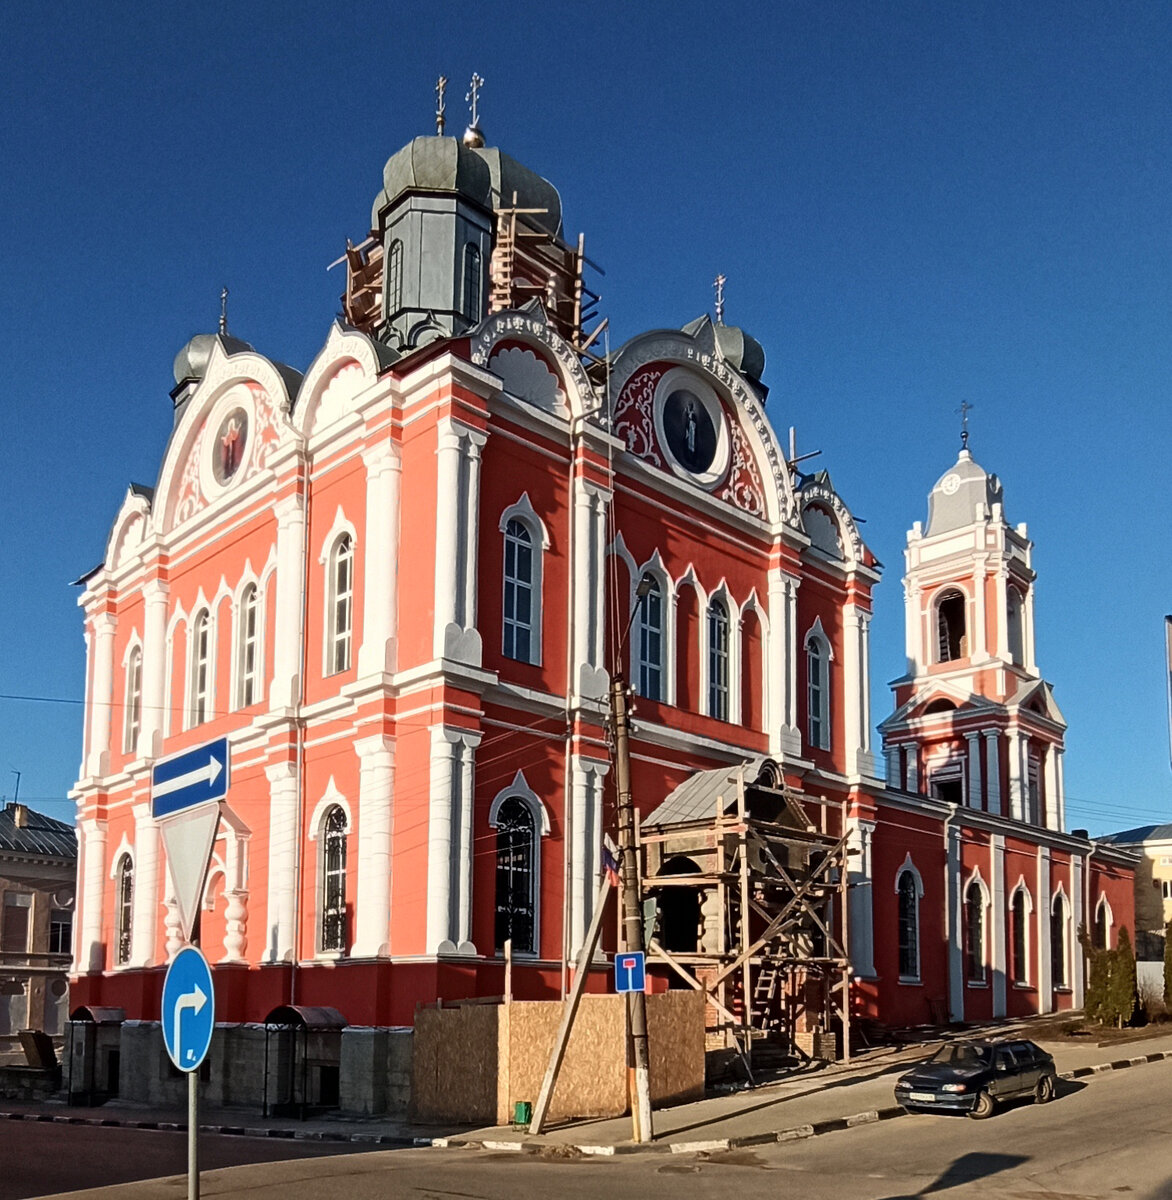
1142, 833
25, 831
695, 799
954, 500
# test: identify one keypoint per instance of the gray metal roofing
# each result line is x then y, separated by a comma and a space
695, 799
1142, 833
39, 835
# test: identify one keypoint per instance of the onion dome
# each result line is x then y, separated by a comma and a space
433, 164
740, 350
191, 363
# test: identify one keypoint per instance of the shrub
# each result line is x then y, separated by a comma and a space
1121, 987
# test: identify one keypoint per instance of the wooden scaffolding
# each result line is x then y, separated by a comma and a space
745, 898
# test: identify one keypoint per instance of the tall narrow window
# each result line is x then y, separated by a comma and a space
60, 931
909, 932
518, 614
1033, 792
1101, 930
718, 661
133, 713
333, 880
650, 623
125, 908
952, 637
472, 283
14, 931
341, 616
974, 933
516, 887
201, 666
1019, 947
1058, 938
1014, 627
818, 692
395, 277
247, 649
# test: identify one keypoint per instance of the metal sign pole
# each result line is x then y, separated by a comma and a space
193, 1106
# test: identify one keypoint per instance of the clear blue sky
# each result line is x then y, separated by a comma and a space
914, 203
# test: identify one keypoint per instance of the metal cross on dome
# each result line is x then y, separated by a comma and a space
473, 97
964, 410
719, 283
440, 88
223, 310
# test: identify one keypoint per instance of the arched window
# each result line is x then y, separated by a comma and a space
333, 880
951, 635
341, 615
472, 282
1019, 937
132, 716
1059, 936
1101, 930
718, 660
650, 644
201, 668
124, 915
818, 692
516, 882
909, 926
248, 649
394, 277
974, 933
1014, 628
519, 593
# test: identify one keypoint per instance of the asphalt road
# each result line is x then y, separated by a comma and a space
1108, 1138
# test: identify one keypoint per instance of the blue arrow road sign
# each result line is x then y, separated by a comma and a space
191, 778
189, 1008
630, 971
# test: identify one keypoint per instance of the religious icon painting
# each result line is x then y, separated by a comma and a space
689, 430
229, 445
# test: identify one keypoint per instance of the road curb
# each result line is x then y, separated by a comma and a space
536, 1145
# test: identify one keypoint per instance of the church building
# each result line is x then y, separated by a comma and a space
397, 582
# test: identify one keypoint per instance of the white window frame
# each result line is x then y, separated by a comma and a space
818, 706
200, 668
719, 690
123, 909
340, 642
975, 880
1059, 899
132, 709
519, 789
907, 867
1022, 888
323, 878
249, 681
641, 661
524, 514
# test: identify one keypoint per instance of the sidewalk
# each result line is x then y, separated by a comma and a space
805, 1104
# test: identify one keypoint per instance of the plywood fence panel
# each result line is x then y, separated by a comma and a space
455, 1065
675, 1042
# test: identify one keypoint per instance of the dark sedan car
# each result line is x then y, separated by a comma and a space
974, 1077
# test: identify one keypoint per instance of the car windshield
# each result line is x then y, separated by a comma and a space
961, 1056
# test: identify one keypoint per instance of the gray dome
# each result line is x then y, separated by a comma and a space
741, 351
953, 501
192, 361
481, 174
433, 164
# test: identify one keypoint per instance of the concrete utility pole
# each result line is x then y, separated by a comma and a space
638, 1080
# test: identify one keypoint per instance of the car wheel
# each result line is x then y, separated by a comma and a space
983, 1108
1044, 1092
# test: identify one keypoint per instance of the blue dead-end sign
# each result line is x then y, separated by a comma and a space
189, 1009
191, 778
630, 971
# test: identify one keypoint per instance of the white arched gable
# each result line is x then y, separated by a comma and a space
519, 789
908, 865
346, 366
619, 549
1059, 895
577, 395
134, 642
698, 352
330, 798
1104, 906
527, 375
975, 876
125, 850
827, 504
131, 529
342, 524
818, 633
247, 379
524, 512
1022, 887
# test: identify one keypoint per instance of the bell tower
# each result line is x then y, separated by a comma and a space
975, 724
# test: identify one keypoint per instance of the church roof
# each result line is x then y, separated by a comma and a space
1142, 833
953, 502
696, 798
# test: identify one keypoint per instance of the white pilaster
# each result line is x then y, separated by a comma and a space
997, 917
154, 669
380, 606
1017, 776
102, 697
287, 631
585, 851
913, 767
449, 506
1041, 915
993, 766
92, 843
852, 700
781, 668
894, 756
1056, 752
979, 637
859, 897
915, 649
280, 919
472, 445
466, 751
375, 802
1077, 917
144, 926
974, 750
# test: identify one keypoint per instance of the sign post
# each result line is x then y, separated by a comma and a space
186, 790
